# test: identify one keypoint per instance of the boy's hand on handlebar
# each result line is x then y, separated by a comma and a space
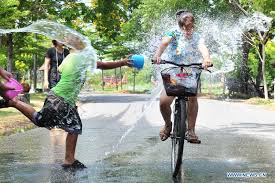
156, 60
207, 63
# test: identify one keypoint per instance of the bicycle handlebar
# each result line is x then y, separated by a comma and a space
181, 65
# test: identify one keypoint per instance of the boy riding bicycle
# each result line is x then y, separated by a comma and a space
184, 46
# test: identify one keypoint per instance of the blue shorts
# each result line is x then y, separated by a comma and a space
57, 113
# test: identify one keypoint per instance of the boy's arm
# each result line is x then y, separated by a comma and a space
205, 53
114, 64
164, 43
46, 72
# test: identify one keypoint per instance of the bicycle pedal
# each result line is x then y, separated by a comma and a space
194, 141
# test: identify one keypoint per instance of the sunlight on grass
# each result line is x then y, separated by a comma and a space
259, 101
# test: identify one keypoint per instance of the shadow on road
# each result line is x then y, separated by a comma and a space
259, 127
114, 98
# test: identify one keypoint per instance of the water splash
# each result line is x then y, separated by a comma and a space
61, 33
257, 21
223, 39
154, 94
223, 36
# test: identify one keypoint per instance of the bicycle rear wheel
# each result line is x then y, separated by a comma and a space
178, 135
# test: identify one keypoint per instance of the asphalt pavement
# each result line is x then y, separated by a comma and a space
120, 143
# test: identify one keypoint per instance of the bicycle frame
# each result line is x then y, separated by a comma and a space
178, 133
180, 121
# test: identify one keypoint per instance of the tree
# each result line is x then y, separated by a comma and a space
16, 14
262, 36
9, 17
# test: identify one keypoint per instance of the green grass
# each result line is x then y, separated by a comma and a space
214, 89
38, 96
260, 101
8, 112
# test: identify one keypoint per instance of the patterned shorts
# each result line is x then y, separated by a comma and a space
57, 113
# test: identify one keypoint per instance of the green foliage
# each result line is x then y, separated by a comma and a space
150, 11
270, 58
19, 13
109, 18
10, 14
264, 6
3, 60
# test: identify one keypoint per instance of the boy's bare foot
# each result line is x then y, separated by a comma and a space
165, 132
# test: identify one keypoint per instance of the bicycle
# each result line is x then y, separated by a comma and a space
181, 84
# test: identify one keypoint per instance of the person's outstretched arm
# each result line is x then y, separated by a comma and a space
164, 43
205, 53
114, 64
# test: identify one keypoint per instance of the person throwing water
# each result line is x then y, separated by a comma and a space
60, 108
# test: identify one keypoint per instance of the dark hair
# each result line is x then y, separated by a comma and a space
54, 42
182, 16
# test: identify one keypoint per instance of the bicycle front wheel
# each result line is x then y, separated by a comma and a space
178, 135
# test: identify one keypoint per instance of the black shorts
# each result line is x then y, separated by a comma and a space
57, 113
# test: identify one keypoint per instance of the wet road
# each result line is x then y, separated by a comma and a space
118, 148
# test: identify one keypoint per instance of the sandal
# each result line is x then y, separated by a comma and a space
76, 165
165, 132
191, 137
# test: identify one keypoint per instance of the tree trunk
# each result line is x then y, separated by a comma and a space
102, 80
120, 78
223, 84
263, 71
34, 72
259, 75
134, 87
244, 72
35, 68
210, 84
10, 53
31, 77
116, 80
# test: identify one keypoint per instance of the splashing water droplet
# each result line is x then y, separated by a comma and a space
63, 34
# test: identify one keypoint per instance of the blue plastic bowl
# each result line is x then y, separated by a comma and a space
138, 61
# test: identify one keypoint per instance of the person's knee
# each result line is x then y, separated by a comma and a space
72, 136
163, 104
165, 101
37, 119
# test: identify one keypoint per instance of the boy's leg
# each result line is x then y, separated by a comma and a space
71, 141
192, 117
165, 109
70, 162
24, 108
192, 112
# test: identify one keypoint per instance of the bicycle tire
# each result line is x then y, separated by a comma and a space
178, 136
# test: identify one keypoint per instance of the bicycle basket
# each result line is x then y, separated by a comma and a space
181, 81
